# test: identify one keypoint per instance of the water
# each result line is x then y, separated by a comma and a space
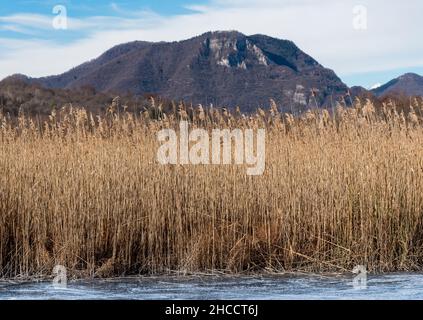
391, 286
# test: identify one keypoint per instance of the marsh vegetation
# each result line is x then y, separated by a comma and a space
341, 187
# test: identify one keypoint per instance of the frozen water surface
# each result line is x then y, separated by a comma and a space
389, 286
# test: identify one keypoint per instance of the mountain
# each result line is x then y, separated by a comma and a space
361, 92
409, 84
224, 68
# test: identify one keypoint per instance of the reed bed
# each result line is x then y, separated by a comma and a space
341, 188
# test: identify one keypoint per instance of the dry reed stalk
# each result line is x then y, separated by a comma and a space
86, 192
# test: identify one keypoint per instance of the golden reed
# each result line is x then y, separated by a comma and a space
340, 188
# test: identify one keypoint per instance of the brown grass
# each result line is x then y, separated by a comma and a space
340, 188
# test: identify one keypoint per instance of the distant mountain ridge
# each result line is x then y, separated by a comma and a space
409, 84
226, 68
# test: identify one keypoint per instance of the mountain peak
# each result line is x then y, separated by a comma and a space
226, 68
410, 84
223, 33
17, 77
410, 76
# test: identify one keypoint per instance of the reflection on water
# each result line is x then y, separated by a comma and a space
392, 286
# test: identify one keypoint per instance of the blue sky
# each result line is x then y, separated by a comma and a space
95, 7
386, 46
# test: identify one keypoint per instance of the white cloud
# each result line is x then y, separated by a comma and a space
28, 20
25, 23
375, 86
323, 29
